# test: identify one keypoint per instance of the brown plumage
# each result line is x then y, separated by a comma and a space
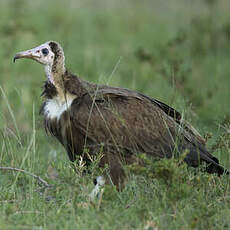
118, 122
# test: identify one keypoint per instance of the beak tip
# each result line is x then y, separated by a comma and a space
15, 58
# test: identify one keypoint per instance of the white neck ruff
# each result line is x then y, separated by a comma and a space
54, 108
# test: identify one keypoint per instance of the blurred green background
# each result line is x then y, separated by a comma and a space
175, 51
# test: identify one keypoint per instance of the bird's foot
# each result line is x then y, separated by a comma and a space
98, 190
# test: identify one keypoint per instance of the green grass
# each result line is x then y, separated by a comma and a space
177, 52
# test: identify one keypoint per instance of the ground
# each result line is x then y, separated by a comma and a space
177, 52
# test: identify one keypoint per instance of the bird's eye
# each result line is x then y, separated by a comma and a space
45, 51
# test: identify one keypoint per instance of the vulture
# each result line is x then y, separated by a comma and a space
88, 119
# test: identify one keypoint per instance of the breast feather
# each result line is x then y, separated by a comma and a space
54, 107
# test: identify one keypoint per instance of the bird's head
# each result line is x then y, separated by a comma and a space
49, 54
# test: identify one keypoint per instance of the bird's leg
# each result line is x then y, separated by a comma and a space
98, 189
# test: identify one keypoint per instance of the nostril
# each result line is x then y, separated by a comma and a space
37, 51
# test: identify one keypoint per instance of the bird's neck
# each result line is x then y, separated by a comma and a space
48, 71
60, 84
55, 75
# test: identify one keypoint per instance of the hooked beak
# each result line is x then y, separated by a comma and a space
32, 54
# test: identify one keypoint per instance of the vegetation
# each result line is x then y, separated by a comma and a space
177, 52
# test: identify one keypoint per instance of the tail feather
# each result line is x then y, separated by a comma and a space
197, 155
